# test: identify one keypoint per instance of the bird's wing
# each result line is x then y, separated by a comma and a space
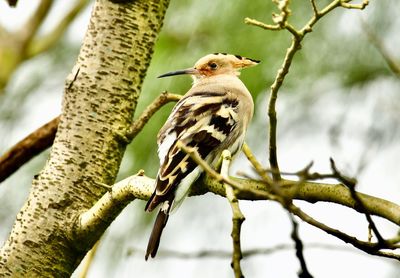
202, 120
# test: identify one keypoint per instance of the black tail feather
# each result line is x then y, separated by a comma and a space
149, 206
155, 236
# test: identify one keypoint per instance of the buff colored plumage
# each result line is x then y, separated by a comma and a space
211, 117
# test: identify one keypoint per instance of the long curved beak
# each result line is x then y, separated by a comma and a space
179, 72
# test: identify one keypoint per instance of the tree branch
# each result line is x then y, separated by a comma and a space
257, 165
368, 247
286, 201
150, 110
237, 216
377, 42
351, 185
305, 190
93, 222
27, 148
347, 5
43, 137
43, 43
220, 254
31, 27
304, 273
88, 260
282, 23
192, 152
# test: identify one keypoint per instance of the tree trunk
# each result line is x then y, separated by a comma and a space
99, 101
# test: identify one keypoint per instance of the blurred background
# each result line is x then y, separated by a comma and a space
339, 100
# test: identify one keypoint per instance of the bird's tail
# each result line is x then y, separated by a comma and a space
154, 241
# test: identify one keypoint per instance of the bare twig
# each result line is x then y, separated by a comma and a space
89, 260
275, 186
43, 43
315, 8
378, 43
291, 51
237, 216
160, 101
311, 192
303, 273
285, 202
97, 218
257, 165
347, 5
219, 178
298, 35
27, 148
31, 27
280, 20
351, 185
263, 25
368, 247
295, 46
220, 254
43, 137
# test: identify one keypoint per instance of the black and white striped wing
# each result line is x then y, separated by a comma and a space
202, 120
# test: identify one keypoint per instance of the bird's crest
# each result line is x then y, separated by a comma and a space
216, 64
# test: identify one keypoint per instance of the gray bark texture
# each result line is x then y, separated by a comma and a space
99, 100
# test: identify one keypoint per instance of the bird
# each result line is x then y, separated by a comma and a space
211, 117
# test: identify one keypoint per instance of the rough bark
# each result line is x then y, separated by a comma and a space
99, 100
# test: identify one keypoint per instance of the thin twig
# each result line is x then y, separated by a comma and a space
237, 216
192, 152
303, 273
361, 6
257, 165
351, 185
284, 70
220, 254
285, 202
378, 43
315, 8
43, 137
150, 110
368, 247
40, 44
274, 184
30, 28
298, 35
260, 24
87, 262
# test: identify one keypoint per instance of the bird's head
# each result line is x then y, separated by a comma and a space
215, 64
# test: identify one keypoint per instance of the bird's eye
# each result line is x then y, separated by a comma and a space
213, 65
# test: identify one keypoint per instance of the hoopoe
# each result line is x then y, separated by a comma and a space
211, 117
